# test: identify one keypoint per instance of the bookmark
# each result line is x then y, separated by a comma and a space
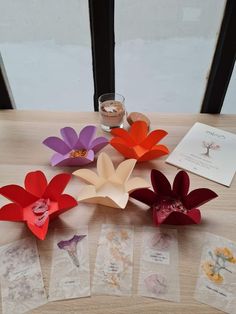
22, 285
114, 261
70, 274
216, 284
159, 276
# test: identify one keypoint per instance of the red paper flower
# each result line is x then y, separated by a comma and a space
38, 203
137, 143
173, 206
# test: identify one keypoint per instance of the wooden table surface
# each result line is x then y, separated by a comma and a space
21, 151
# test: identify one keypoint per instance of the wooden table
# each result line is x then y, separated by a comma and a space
21, 151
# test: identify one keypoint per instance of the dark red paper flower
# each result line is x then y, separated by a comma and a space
38, 203
173, 206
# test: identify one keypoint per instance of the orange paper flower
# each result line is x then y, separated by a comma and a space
137, 143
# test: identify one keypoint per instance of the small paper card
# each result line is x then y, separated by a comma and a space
208, 152
70, 275
216, 285
21, 278
114, 261
158, 276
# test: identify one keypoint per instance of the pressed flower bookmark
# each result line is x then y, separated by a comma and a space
217, 274
114, 262
159, 277
70, 275
22, 286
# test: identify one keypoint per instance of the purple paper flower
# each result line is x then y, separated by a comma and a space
75, 149
71, 247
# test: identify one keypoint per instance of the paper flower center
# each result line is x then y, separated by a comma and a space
78, 153
40, 209
168, 205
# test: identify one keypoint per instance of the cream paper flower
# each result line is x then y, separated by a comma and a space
110, 187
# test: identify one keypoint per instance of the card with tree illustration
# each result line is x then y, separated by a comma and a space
207, 151
216, 285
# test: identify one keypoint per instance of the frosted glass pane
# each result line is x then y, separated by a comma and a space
164, 50
45, 45
229, 105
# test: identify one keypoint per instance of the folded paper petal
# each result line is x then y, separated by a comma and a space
153, 138
70, 136
86, 135
40, 232
105, 166
160, 183
124, 170
18, 195
11, 212
198, 197
145, 196
178, 218
124, 135
121, 147
155, 152
56, 186
36, 183
57, 144
89, 176
135, 183
98, 143
138, 131
181, 184
65, 202
66, 160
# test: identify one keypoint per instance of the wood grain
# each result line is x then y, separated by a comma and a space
21, 151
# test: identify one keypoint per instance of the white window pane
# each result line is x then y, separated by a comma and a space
229, 105
164, 50
45, 45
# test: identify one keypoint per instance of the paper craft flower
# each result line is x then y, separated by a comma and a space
137, 143
38, 202
75, 150
71, 247
173, 206
110, 187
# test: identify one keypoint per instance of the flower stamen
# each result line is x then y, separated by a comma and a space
78, 153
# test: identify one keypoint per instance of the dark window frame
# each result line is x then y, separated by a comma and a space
6, 97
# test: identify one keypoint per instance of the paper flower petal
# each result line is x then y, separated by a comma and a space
124, 135
160, 183
155, 152
123, 148
56, 186
105, 166
36, 183
40, 232
18, 195
70, 136
60, 160
57, 144
89, 176
153, 138
145, 196
86, 135
65, 202
135, 183
178, 218
181, 184
198, 197
124, 170
98, 143
138, 131
11, 212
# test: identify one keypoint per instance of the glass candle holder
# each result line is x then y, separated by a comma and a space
112, 111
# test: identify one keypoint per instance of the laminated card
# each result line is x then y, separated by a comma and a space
208, 152
159, 275
216, 285
114, 261
22, 286
70, 276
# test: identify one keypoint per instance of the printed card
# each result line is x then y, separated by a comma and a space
216, 285
70, 274
159, 276
114, 261
22, 286
208, 152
